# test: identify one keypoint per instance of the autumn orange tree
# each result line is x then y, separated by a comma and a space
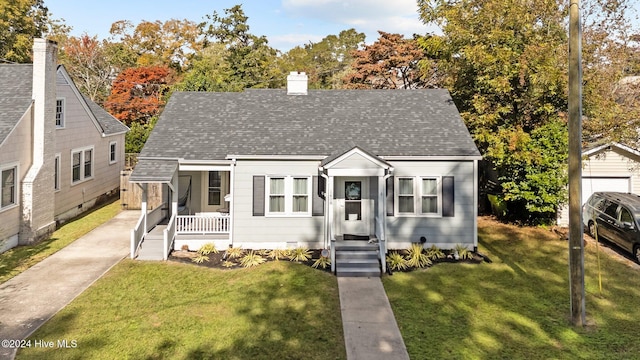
392, 62
137, 94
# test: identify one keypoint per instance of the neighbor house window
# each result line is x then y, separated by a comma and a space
113, 152
8, 191
60, 113
56, 173
81, 164
419, 196
289, 195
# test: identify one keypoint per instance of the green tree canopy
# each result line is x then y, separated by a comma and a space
20, 22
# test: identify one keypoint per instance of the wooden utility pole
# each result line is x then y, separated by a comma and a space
576, 244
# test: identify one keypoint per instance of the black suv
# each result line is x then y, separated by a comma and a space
616, 215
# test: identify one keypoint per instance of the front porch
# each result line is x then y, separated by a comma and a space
196, 209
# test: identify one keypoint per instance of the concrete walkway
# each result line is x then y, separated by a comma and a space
30, 299
370, 329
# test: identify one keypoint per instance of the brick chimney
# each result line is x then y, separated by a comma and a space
297, 83
37, 196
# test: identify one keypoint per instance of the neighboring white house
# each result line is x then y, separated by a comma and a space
59, 151
608, 167
267, 169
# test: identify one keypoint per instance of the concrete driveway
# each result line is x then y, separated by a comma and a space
30, 299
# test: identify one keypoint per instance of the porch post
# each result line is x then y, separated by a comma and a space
143, 205
382, 207
174, 195
330, 209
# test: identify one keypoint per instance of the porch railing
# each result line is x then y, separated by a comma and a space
382, 244
202, 224
137, 234
168, 235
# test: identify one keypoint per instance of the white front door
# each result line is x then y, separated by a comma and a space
353, 206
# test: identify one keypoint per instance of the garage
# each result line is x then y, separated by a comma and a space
607, 167
595, 184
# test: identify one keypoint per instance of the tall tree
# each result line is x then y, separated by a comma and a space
253, 62
20, 22
391, 62
170, 43
327, 61
137, 94
505, 65
87, 62
209, 71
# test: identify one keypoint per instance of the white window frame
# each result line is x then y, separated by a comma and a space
16, 182
417, 196
82, 152
113, 144
62, 113
288, 196
57, 166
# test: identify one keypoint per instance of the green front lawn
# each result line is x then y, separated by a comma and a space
518, 306
20, 258
143, 310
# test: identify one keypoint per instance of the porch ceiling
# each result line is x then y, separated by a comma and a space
154, 171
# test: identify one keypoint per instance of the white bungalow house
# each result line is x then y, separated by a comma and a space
60, 153
265, 169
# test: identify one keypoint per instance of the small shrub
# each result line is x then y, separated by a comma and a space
322, 262
463, 252
207, 249
396, 261
434, 253
234, 253
416, 258
277, 254
263, 252
300, 254
228, 264
199, 259
252, 259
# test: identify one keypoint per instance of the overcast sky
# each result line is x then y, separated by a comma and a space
285, 23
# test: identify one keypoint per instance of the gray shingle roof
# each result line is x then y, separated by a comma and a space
15, 95
110, 125
148, 170
210, 126
16, 86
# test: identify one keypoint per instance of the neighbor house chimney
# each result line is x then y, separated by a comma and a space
37, 196
297, 83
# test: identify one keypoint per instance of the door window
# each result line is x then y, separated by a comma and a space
353, 200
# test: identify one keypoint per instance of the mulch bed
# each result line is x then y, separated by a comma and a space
217, 261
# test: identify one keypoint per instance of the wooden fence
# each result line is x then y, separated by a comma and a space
131, 194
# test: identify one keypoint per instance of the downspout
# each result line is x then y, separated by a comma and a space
383, 242
231, 194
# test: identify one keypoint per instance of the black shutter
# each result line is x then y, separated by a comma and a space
448, 197
258, 195
317, 201
390, 196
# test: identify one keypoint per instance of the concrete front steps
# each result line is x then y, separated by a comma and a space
357, 258
151, 247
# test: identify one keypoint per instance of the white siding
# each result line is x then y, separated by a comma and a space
79, 132
15, 149
614, 163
